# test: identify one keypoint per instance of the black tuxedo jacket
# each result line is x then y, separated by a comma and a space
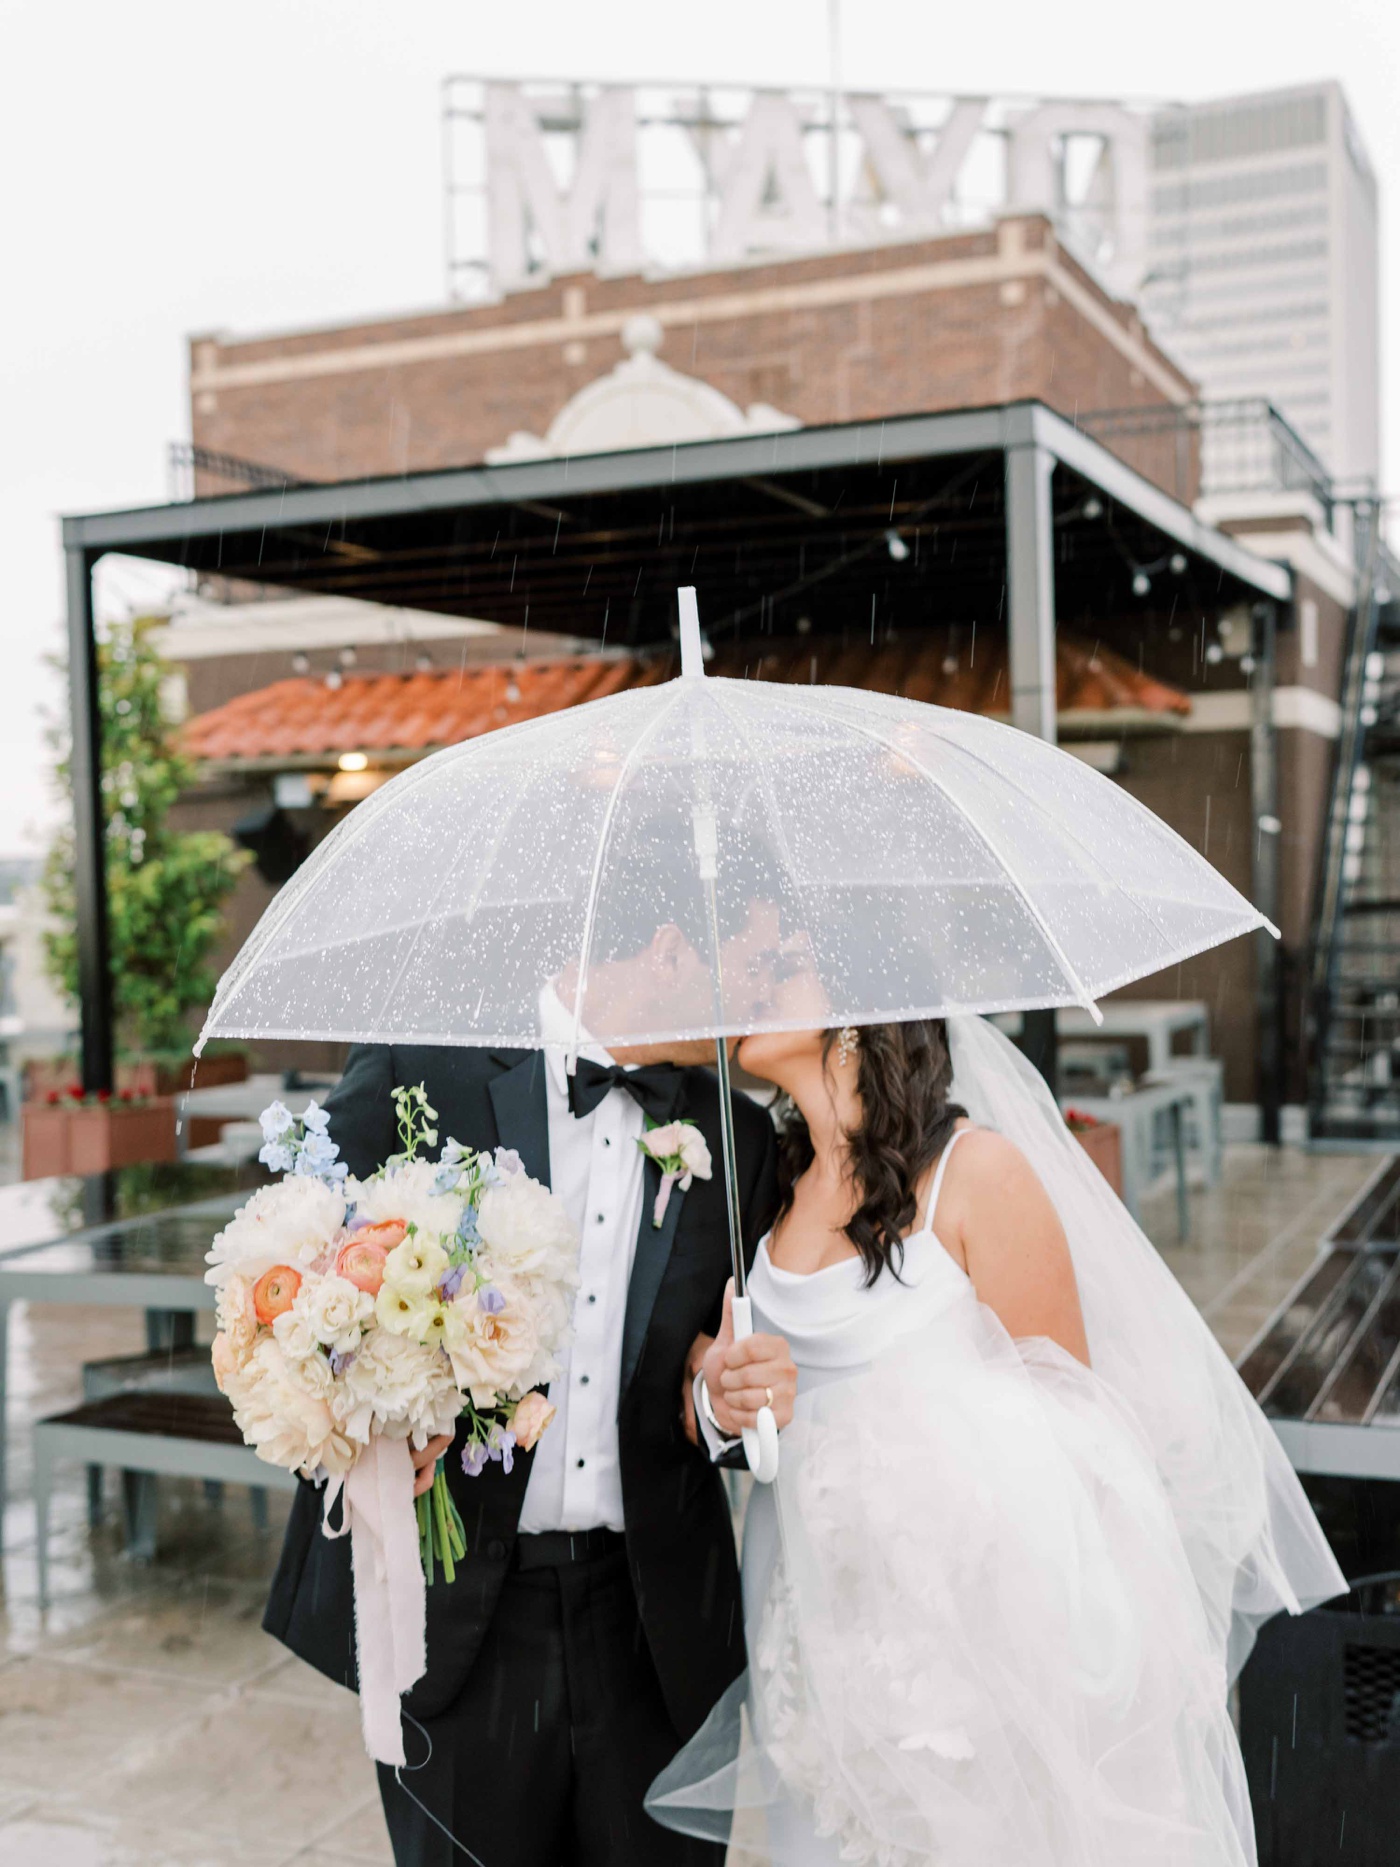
680, 1545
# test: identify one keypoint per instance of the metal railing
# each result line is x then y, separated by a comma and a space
1200, 448
192, 467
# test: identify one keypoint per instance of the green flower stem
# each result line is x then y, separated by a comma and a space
425, 1534
439, 1495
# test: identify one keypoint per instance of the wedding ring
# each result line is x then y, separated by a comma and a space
769, 1392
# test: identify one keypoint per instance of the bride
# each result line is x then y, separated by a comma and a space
1027, 1518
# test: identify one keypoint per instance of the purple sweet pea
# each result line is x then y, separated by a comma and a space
490, 1299
475, 1458
340, 1362
508, 1161
451, 1282
501, 1444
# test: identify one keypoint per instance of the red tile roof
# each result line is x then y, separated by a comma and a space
396, 714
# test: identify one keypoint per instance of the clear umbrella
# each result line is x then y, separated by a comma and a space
662, 855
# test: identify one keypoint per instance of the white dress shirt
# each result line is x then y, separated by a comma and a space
596, 1168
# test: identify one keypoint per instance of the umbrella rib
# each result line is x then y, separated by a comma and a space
1066, 830
1083, 996
595, 880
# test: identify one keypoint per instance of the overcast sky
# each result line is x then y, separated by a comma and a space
172, 168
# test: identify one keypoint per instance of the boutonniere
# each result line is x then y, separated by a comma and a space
680, 1151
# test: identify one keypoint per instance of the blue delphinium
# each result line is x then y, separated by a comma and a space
300, 1146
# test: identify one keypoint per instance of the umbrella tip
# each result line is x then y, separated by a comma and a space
692, 654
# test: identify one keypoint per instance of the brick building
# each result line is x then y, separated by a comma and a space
964, 321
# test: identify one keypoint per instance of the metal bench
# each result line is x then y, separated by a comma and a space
175, 1370
167, 1435
1326, 1366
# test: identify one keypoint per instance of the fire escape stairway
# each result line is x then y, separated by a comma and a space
1354, 1087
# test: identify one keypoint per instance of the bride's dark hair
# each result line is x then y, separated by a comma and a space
904, 1073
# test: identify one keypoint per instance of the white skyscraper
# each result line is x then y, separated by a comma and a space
1262, 273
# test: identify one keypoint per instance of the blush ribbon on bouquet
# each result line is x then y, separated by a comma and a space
376, 1500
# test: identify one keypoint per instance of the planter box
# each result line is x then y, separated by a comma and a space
60, 1139
1104, 1146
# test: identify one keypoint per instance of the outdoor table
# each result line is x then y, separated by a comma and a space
1136, 1114
1326, 1366
153, 1261
1156, 1020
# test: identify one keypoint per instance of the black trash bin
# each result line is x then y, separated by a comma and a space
1320, 1731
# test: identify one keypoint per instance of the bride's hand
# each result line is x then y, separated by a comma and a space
739, 1375
425, 1461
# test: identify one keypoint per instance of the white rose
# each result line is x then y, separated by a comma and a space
283, 1422
491, 1353
415, 1266
295, 1336
335, 1310
527, 1231
399, 1387
292, 1222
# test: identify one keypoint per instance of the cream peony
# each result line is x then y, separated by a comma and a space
237, 1320
414, 1267
291, 1223
399, 1387
284, 1422
227, 1362
527, 1232
335, 1311
491, 1353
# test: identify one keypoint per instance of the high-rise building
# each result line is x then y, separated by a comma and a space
1262, 269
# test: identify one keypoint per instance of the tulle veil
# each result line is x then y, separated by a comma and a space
1200, 1460
1250, 1536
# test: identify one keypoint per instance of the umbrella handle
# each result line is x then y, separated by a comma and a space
761, 1443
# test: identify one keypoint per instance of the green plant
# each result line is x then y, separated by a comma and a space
166, 888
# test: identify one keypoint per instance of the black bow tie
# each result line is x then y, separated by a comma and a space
656, 1089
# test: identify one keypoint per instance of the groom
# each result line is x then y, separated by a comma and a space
597, 1617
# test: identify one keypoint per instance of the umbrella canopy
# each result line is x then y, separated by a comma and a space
710, 857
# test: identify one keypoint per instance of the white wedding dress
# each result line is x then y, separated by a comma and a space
989, 1615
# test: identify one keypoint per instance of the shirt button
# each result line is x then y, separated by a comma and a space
592, 1299
607, 1140
580, 1464
496, 1549
600, 1218
583, 1380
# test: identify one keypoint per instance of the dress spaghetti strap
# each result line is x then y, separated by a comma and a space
938, 1174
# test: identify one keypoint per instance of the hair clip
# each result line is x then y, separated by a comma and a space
847, 1040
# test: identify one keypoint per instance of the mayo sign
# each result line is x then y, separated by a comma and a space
578, 178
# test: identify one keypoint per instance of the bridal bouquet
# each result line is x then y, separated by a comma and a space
354, 1312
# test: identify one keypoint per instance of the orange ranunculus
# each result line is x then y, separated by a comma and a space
275, 1292
386, 1233
361, 1262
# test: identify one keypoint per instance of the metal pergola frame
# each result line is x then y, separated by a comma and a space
311, 536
